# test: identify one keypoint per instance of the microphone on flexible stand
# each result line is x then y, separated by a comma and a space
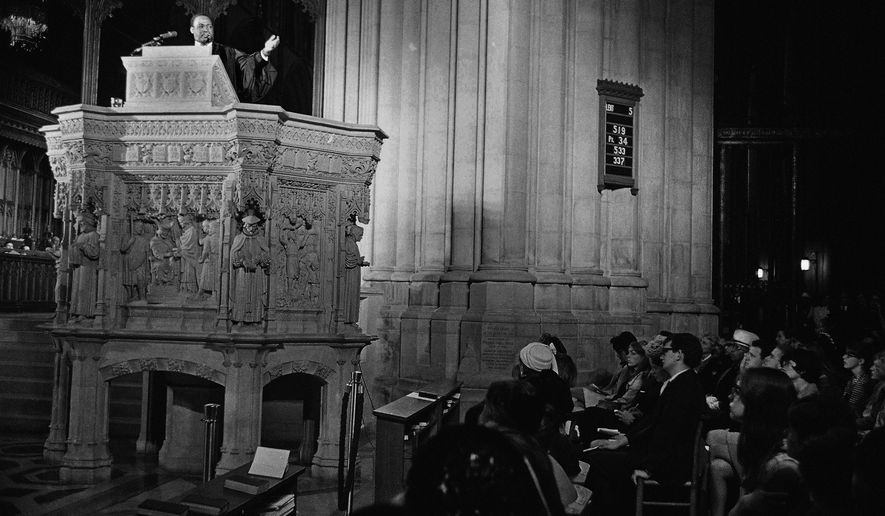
155, 41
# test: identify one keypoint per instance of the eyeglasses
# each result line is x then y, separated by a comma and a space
667, 348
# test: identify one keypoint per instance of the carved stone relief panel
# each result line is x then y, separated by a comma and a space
301, 244
172, 193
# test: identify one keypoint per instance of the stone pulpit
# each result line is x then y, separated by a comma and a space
207, 237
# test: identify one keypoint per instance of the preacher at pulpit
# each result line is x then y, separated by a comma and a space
251, 74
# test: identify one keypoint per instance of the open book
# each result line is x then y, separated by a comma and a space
269, 462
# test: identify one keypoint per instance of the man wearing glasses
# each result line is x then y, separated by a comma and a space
252, 75
662, 446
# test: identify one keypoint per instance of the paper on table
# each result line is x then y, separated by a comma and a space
269, 462
592, 398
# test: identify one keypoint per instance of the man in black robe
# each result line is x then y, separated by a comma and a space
252, 75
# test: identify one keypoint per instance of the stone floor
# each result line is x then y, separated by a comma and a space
30, 486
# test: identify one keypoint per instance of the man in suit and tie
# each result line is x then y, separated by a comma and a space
661, 447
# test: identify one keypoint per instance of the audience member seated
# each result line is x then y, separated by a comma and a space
857, 360
718, 398
606, 413
869, 475
619, 343
829, 375
821, 434
774, 359
515, 408
568, 371
873, 414
758, 351
532, 358
784, 339
662, 446
714, 362
761, 404
558, 405
478, 470
803, 368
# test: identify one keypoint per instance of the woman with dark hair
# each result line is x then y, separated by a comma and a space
873, 414
857, 359
607, 412
761, 403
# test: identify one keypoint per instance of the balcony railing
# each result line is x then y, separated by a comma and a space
27, 281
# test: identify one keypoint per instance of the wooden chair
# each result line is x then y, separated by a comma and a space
696, 485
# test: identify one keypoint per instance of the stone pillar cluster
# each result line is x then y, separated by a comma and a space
488, 228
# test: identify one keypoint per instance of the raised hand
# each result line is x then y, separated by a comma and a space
271, 44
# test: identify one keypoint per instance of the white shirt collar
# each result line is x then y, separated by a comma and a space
664, 386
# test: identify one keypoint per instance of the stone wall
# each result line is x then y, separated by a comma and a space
488, 228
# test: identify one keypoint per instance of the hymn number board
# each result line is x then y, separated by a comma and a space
618, 124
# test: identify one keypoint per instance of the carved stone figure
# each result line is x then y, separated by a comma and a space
310, 272
84, 253
209, 258
353, 261
136, 253
292, 239
55, 250
189, 249
250, 260
164, 257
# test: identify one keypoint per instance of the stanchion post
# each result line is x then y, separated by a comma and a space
210, 418
356, 390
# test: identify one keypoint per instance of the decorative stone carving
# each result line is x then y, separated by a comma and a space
136, 251
84, 255
353, 261
190, 251
299, 272
165, 262
250, 260
355, 204
209, 258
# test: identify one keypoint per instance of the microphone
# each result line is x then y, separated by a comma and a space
156, 41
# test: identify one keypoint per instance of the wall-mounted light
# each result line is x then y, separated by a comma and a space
762, 274
805, 263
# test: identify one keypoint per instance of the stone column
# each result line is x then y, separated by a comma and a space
88, 459
621, 63
651, 161
502, 301
146, 443
702, 156
93, 13
242, 407
325, 460
56, 443
549, 188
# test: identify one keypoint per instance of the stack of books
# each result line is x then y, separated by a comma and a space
205, 505
249, 484
151, 507
280, 507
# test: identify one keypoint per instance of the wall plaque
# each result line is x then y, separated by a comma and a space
618, 124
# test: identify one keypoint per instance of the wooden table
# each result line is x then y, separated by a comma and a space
245, 503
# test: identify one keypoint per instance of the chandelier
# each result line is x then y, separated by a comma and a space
25, 22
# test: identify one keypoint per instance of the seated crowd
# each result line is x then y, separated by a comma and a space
786, 431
